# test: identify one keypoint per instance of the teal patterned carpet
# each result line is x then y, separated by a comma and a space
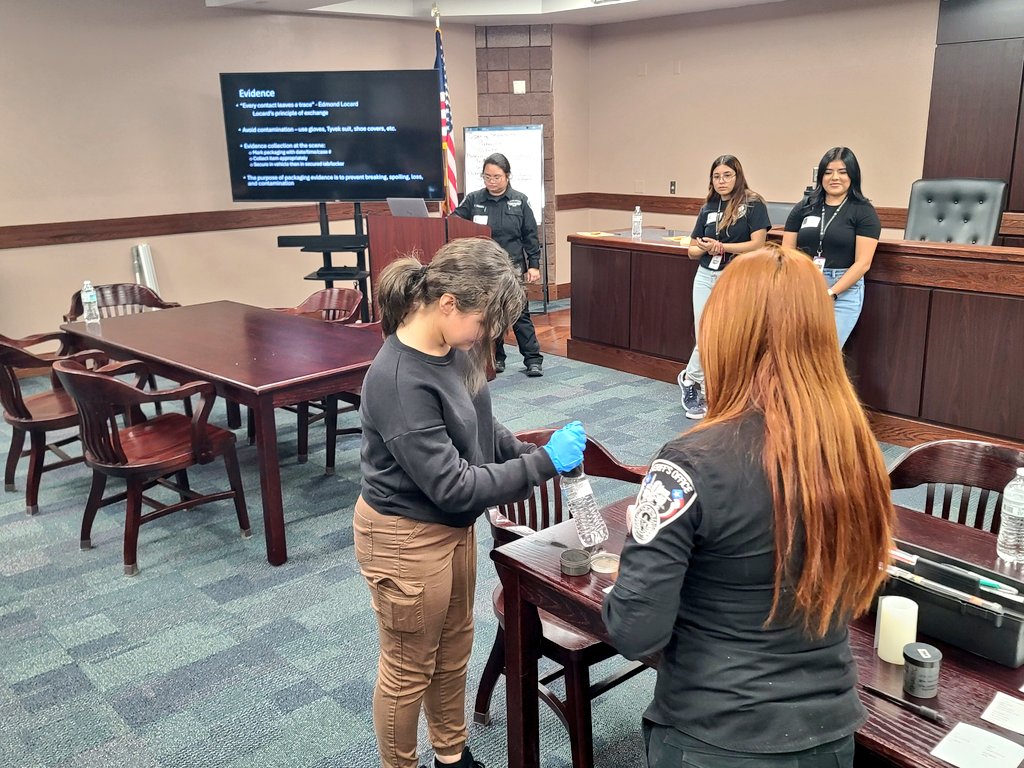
210, 657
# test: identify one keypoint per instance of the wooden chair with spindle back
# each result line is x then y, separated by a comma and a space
118, 299
147, 452
572, 649
34, 415
959, 464
331, 305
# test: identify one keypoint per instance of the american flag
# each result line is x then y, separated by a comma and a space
451, 182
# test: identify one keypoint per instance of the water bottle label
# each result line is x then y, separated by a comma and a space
578, 490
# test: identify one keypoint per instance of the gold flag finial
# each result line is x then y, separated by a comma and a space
437, 16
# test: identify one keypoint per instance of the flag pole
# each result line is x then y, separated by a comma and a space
437, 16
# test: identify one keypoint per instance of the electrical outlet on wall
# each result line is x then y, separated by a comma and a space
671, 187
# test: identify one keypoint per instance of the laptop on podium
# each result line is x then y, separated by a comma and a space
408, 207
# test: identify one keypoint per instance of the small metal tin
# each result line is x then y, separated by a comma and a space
604, 562
575, 562
921, 669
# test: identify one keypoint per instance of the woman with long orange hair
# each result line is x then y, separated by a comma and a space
757, 536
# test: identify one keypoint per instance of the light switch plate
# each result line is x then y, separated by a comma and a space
518, 86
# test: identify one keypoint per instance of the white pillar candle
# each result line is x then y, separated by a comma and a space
897, 626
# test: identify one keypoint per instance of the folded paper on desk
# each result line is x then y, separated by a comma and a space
679, 239
596, 234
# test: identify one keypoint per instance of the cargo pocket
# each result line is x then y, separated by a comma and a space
399, 604
363, 539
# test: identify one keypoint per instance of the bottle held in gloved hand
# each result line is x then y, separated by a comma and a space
579, 498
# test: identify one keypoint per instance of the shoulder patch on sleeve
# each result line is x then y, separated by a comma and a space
665, 494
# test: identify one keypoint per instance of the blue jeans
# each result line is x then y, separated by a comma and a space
703, 282
669, 748
848, 304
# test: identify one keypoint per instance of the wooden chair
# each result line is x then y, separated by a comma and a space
119, 299
963, 464
145, 453
331, 305
573, 650
35, 415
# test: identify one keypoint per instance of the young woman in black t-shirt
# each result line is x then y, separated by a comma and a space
734, 219
837, 227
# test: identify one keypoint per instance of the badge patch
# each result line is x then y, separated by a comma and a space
665, 494
514, 203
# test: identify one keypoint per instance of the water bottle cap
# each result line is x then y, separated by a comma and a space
637, 209
86, 285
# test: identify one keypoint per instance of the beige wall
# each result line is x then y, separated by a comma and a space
570, 65
776, 85
112, 109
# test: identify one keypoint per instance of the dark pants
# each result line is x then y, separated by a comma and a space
526, 336
669, 748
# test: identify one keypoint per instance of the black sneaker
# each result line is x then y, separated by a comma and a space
499, 366
534, 370
692, 397
466, 761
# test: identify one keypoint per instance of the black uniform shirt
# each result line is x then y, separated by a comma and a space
839, 246
430, 452
753, 218
696, 582
511, 220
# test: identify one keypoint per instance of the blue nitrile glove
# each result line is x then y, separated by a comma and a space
565, 447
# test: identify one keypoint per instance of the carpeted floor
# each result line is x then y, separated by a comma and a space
211, 657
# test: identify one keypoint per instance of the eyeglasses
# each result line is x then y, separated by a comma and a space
488, 177
723, 177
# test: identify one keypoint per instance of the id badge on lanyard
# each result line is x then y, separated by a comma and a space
715, 263
819, 260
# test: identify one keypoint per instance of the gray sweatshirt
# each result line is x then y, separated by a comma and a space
431, 452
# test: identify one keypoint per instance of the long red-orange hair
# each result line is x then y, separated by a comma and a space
768, 343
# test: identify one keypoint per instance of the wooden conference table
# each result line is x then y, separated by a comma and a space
530, 575
255, 357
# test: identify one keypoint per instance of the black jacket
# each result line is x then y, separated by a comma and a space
511, 220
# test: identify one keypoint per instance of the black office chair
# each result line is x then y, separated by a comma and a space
966, 211
778, 213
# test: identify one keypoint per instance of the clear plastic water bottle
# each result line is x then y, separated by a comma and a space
90, 305
579, 498
638, 224
1010, 544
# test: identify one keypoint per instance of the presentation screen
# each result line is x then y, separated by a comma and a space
323, 136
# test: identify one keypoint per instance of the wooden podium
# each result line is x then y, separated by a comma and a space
393, 237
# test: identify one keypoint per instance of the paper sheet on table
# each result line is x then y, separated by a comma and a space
595, 234
679, 239
1006, 712
967, 746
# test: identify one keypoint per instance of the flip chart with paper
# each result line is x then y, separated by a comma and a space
523, 145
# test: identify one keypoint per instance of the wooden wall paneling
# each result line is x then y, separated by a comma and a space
1015, 193
886, 350
963, 274
975, 363
602, 275
963, 21
972, 120
661, 301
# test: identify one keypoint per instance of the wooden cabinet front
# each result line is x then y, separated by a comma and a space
975, 363
602, 275
661, 304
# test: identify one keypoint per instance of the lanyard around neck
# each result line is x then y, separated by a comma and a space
823, 226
